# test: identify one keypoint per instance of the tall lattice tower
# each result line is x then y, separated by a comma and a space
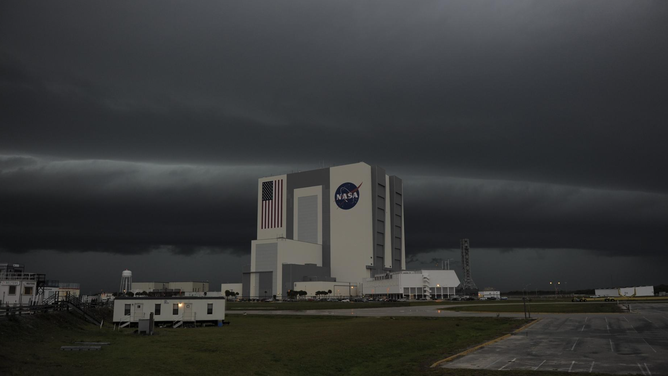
467, 285
126, 281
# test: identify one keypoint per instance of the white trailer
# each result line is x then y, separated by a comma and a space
172, 310
489, 294
626, 291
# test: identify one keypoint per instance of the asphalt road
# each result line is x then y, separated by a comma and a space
628, 343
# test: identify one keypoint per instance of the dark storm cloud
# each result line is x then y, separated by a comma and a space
125, 207
122, 207
129, 127
566, 92
510, 214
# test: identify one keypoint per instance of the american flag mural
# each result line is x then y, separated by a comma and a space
272, 204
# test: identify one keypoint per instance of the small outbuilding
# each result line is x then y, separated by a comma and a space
171, 310
413, 284
626, 291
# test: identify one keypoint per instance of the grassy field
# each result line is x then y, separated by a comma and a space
252, 345
545, 308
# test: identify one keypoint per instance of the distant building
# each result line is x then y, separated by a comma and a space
626, 291
149, 286
338, 289
59, 291
340, 224
18, 287
170, 287
414, 284
489, 294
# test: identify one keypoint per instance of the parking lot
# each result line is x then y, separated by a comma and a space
630, 343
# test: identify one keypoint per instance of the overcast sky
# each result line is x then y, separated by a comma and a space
132, 134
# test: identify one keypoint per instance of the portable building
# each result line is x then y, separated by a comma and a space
626, 291
489, 294
169, 309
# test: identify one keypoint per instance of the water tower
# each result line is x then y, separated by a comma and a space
126, 281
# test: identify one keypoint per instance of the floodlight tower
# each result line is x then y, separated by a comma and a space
467, 285
126, 281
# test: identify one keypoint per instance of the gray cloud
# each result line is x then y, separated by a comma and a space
130, 128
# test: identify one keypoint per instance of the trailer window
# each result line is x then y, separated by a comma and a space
127, 309
157, 309
175, 309
27, 290
209, 309
12, 290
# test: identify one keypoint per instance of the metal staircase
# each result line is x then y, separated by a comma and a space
426, 290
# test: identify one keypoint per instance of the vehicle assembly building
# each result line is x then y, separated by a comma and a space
341, 224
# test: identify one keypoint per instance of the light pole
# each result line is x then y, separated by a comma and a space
556, 288
524, 291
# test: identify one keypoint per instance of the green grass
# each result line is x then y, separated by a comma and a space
544, 308
252, 345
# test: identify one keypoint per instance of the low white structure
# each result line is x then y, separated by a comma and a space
416, 284
626, 291
338, 289
489, 294
183, 287
18, 287
169, 309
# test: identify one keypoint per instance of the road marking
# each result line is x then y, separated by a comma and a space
491, 364
611, 349
647, 319
592, 367
507, 364
650, 346
541, 363
576, 342
606, 324
641, 370
586, 319
648, 372
627, 320
571, 367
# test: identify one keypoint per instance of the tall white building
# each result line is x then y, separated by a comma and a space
343, 223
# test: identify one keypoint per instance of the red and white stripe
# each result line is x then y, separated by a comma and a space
272, 210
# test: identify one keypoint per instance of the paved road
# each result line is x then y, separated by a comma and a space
420, 311
630, 343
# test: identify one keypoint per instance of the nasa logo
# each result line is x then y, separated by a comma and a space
347, 195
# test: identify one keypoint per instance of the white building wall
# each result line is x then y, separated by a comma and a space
489, 294
287, 252
351, 230
189, 286
19, 297
626, 291
339, 289
442, 282
141, 308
